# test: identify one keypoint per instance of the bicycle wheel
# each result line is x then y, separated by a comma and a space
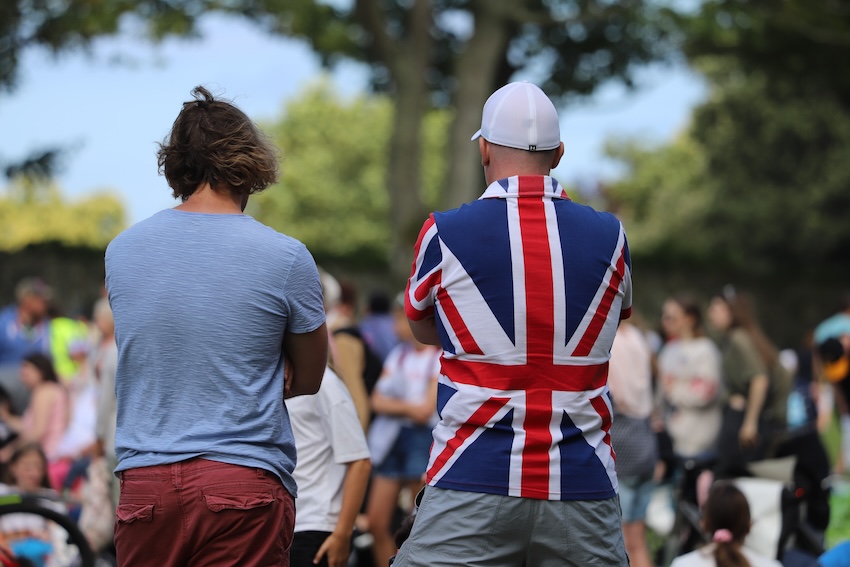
67, 546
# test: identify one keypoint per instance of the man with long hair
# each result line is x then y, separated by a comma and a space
210, 306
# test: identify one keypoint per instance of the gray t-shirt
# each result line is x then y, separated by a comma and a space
201, 304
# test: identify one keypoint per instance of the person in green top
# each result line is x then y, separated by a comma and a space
756, 385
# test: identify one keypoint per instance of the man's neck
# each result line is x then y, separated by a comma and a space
205, 199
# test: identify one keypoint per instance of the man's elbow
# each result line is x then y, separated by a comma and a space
425, 331
306, 385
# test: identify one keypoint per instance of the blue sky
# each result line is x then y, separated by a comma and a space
112, 114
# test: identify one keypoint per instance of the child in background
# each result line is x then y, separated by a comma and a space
726, 518
405, 404
45, 419
332, 473
28, 535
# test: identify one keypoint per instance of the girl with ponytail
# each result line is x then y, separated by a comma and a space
726, 518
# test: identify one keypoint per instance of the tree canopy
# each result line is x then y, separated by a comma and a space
453, 54
424, 53
33, 213
758, 184
331, 194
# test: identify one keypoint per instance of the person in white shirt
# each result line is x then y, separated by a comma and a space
331, 472
690, 382
405, 404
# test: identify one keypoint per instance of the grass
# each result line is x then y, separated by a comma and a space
839, 502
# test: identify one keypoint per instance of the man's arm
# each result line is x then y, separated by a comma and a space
425, 330
307, 354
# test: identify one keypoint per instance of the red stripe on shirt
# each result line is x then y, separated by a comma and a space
540, 332
592, 333
480, 418
461, 331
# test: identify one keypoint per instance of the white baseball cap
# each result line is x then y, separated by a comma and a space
520, 115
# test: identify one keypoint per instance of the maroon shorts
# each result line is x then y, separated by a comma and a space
203, 513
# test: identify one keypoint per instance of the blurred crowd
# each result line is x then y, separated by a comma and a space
58, 408
705, 383
57, 414
706, 389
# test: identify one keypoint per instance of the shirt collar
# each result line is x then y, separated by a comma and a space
525, 186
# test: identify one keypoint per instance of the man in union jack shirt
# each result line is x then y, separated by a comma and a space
524, 290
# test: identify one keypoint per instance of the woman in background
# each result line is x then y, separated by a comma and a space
46, 417
690, 380
756, 383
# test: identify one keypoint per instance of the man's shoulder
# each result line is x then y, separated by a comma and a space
8, 312
564, 206
245, 227
136, 231
272, 237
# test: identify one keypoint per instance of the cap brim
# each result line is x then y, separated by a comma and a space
836, 371
476, 136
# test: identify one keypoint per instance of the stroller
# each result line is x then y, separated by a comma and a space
778, 500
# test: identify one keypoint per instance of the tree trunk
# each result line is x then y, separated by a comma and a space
404, 178
408, 60
477, 71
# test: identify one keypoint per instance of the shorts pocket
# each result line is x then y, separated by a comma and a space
130, 512
238, 497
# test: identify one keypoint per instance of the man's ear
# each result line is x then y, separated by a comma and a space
558, 155
484, 148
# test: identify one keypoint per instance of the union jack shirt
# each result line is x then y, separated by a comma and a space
527, 288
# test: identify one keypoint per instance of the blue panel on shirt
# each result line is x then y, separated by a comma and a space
433, 257
582, 474
480, 241
487, 460
588, 240
445, 341
444, 394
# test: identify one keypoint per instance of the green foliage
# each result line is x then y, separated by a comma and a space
73, 24
799, 42
331, 194
757, 184
31, 213
778, 172
661, 200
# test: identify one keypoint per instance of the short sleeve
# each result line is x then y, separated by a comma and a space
425, 273
344, 431
626, 309
748, 361
303, 294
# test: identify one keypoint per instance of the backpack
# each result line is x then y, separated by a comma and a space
372, 364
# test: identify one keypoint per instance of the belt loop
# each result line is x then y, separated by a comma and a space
261, 473
177, 476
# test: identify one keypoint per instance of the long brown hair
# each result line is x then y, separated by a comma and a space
742, 307
212, 141
726, 510
691, 307
44, 365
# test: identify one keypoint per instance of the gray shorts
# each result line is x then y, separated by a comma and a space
488, 530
